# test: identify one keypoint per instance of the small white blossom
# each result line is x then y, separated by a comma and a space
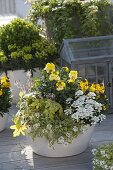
68, 135
68, 101
61, 140
37, 114
49, 127
75, 129
94, 151
68, 111
79, 93
91, 95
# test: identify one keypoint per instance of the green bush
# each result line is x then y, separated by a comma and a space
72, 18
96, 19
22, 46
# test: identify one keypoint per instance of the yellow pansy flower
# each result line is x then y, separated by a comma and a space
66, 69
97, 86
100, 88
5, 82
93, 88
4, 79
1, 92
19, 128
71, 80
54, 76
49, 68
84, 85
60, 85
73, 75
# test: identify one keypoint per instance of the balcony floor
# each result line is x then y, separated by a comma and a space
15, 154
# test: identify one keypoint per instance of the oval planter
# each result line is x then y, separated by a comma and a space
41, 146
3, 122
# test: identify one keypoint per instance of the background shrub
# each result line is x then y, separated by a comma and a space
72, 19
22, 46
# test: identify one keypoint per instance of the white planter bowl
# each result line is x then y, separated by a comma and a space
20, 76
41, 146
17, 75
3, 122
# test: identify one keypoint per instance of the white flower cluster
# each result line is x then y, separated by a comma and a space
103, 158
85, 107
101, 164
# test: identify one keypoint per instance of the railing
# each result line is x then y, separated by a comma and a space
7, 7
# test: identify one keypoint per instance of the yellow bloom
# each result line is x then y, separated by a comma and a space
57, 72
60, 85
5, 82
100, 88
19, 128
73, 75
71, 80
66, 69
4, 79
50, 68
54, 76
84, 85
1, 92
93, 88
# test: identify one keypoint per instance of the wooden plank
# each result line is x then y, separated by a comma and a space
102, 136
18, 165
69, 167
10, 148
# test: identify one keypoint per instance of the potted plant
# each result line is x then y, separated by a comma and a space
5, 101
103, 157
59, 112
23, 48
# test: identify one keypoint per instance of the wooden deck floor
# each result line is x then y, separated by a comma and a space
15, 154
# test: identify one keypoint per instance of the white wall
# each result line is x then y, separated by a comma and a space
22, 8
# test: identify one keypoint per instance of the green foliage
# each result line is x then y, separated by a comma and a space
103, 157
72, 18
45, 117
22, 47
89, 20
96, 15
60, 18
